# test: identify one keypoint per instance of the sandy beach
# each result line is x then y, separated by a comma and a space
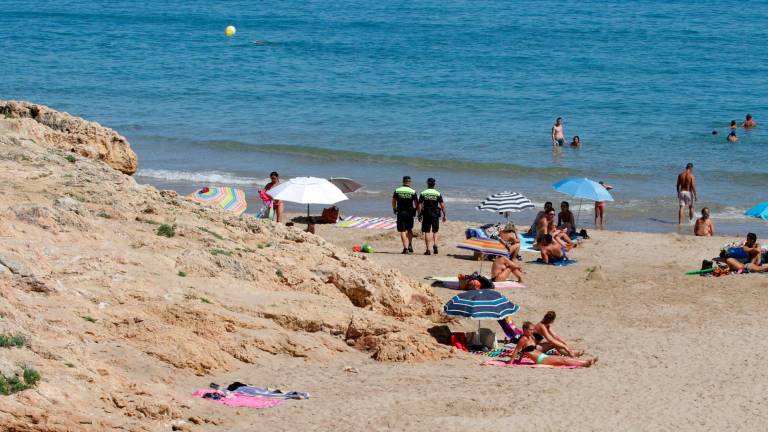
122, 339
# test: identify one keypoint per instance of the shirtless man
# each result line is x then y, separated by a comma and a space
686, 192
558, 134
748, 256
748, 122
704, 226
552, 251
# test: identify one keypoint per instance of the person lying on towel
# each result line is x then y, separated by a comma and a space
526, 347
747, 257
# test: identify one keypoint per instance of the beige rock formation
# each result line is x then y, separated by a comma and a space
116, 315
65, 131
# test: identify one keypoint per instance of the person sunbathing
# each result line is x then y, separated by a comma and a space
552, 251
503, 268
508, 237
547, 339
745, 256
526, 348
704, 226
539, 216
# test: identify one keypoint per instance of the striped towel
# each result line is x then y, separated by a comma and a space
526, 363
364, 222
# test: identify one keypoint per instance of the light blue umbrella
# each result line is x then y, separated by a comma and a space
583, 188
759, 211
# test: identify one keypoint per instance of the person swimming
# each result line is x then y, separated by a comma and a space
732, 137
748, 122
576, 142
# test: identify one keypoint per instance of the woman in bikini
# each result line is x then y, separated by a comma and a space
277, 204
526, 347
547, 339
504, 267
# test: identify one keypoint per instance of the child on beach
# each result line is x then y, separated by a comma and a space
600, 206
704, 226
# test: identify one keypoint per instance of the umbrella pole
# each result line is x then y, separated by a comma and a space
578, 214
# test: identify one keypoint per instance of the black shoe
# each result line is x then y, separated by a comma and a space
410, 249
405, 251
427, 252
434, 249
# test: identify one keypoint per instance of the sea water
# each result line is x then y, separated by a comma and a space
463, 91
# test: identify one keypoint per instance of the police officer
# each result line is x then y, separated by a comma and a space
405, 204
431, 207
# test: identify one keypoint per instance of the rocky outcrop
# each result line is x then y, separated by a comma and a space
116, 316
88, 139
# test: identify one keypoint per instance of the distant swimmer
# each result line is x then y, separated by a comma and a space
748, 122
732, 137
733, 124
558, 133
704, 226
576, 142
686, 192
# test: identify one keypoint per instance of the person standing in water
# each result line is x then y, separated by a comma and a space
600, 206
274, 178
431, 207
405, 204
686, 192
558, 133
748, 122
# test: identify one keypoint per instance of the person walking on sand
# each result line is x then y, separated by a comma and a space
704, 226
558, 133
748, 122
430, 208
686, 192
405, 204
274, 178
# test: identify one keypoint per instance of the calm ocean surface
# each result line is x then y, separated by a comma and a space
462, 91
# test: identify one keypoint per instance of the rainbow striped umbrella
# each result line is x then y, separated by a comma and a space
485, 247
227, 198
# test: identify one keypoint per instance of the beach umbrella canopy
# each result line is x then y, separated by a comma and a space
480, 305
346, 185
227, 198
484, 246
505, 203
307, 190
759, 211
582, 187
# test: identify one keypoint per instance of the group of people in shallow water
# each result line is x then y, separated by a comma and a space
540, 344
748, 123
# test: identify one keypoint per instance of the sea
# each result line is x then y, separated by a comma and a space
462, 91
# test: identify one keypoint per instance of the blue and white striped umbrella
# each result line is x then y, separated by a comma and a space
480, 305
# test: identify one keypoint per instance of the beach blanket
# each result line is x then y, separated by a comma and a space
526, 244
237, 399
383, 223
525, 363
556, 264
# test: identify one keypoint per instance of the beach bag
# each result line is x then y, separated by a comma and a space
330, 215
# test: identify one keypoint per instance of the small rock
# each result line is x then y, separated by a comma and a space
181, 426
351, 369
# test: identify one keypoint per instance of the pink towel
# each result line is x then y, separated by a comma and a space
240, 400
496, 285
526, 363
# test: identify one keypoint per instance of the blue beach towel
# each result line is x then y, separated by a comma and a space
556, 264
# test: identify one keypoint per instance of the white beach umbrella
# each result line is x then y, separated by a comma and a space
307, 190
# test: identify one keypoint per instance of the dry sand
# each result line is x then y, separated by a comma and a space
676, 352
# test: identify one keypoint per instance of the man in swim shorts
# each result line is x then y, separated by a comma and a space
748, 256
405, 203
558, 134
686, 192
431, 207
